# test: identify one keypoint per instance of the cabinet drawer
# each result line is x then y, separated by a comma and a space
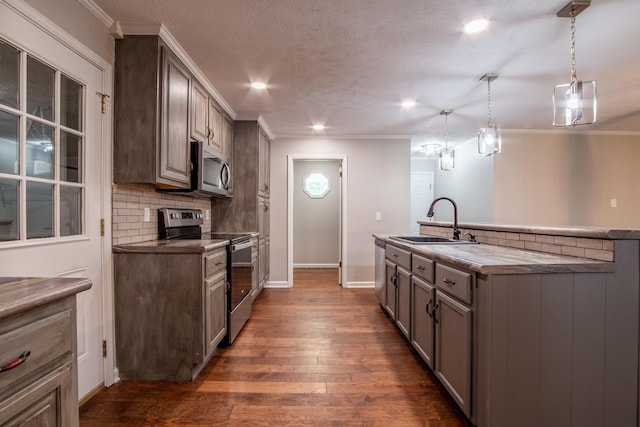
46, 338
399, 256
454, 282
214, 262
422, 267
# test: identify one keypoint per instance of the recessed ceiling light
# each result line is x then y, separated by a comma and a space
258, 85
476, 25
318, 126
409, 103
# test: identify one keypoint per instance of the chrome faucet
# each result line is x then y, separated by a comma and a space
456, 230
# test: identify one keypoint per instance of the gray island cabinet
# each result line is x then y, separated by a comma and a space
527, 338
170, 307
38, 354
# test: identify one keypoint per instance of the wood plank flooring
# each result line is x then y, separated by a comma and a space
313, 355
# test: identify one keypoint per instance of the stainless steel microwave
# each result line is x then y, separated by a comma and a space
211, 175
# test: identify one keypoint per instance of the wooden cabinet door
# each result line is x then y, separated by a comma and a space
390, 273
47, 402
403, 314
215, 125
215, 310
264, 158
422, 327
199, 113
263, 217
453, 349
174, 156
227, 138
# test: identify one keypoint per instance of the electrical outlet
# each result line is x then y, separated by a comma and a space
378, 216
207, 215
614, 203
147, 215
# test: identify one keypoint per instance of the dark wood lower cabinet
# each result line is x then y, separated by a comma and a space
170, 312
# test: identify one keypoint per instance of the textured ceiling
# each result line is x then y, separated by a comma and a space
349, 63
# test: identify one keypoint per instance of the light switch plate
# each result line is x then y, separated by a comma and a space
207, 215
614, 203
378, 216
147, 215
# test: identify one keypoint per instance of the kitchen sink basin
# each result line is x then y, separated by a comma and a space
429, 240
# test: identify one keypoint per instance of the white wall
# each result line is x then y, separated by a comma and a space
469, 184
377, 181
568, 177
316, 221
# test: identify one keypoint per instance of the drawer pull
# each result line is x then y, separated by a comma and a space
17, 362
219, 263
449, 281
420, 267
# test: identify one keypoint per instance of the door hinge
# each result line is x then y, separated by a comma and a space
104, 348
102, 226
340, 264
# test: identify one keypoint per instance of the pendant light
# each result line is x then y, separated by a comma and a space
574, 103
489, 138
447, 155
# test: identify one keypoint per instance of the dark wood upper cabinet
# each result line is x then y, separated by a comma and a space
152, 114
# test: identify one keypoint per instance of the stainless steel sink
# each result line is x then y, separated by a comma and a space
428, 240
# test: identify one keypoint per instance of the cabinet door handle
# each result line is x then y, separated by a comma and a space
394, 255
435, 308
16, 362
449, 281
427, 308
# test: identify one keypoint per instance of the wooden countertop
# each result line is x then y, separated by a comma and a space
171, 246
492, 259
18, 294
584, 232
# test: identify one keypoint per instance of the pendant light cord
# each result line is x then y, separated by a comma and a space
446, 130
488, 102
574, 77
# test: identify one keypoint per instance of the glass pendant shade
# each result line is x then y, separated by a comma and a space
574, 103
489, 140
447, 159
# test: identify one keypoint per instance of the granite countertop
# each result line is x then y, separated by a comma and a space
492, 259
171, 246
585, 232
18, 294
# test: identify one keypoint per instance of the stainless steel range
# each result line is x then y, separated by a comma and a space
186, 224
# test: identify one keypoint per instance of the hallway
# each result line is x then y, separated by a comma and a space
313, 355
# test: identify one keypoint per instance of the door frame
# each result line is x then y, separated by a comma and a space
342, 277
58, 34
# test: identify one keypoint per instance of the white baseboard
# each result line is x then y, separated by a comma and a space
359, 285
315, 265
276, 285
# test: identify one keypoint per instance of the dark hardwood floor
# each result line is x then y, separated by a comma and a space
313, 355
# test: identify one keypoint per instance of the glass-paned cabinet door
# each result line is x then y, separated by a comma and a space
42, 149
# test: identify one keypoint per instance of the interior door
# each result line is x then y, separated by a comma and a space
57, 174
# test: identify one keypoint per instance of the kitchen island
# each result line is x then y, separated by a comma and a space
524, 336
38, 356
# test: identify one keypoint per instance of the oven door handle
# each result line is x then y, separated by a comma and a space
239, 246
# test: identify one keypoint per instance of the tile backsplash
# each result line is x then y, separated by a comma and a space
592, 248
128, 203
